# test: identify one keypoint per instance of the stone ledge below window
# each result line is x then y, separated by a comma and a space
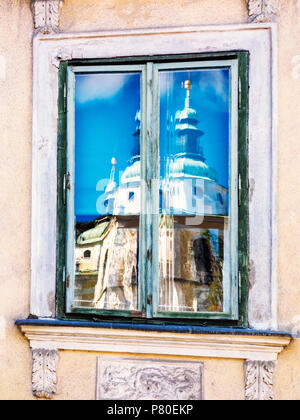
170, 340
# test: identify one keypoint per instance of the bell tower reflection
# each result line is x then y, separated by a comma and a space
192, 226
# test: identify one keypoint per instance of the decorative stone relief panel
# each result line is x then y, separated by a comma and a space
262, 10
44, 367
46, 15
132, 379
259, 377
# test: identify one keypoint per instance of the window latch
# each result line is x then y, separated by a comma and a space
240, 189
240, 94
65, 97
66, 186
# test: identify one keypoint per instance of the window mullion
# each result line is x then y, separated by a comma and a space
144, 211
155, 190
151, 187
148, 189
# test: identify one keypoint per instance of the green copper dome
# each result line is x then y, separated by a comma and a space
188, 166
187, 113
93, 235
133, 172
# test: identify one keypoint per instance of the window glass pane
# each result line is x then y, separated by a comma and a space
107, 190
194, 190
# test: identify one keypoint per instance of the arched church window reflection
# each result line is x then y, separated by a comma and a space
87, 254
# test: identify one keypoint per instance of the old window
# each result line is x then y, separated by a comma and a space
154, 170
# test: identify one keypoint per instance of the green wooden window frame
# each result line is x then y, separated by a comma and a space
149, 68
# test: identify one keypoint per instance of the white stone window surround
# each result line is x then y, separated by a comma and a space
261, 41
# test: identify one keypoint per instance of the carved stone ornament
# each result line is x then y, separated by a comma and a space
262, 10
44, 367
46, 15
132, 379
259, 378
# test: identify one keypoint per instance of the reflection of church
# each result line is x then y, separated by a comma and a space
192, 226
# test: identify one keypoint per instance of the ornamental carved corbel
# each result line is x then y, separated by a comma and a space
259, 379
263, 10
46, 15
44, 367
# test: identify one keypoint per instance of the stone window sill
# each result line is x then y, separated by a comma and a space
171, 340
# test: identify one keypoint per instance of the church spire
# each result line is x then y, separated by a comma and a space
112, 184
186, 130
113, 170
188, 87
136, 136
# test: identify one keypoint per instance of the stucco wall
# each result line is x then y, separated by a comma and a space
216, 384
287, 385
223, 379
15, 139
89, 15
288, 163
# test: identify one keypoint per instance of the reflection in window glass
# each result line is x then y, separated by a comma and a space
107, 190
194, 184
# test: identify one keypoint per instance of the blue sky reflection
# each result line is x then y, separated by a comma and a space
105, 110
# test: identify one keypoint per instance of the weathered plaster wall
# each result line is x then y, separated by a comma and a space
288, 164
15, 139
80, 368
76, 371
287, 384
78, 15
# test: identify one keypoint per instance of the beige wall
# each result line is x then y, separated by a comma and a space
289, 163
15, 117
77, 370
217, 383
89, 15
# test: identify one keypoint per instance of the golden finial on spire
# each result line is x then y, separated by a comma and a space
187, 84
